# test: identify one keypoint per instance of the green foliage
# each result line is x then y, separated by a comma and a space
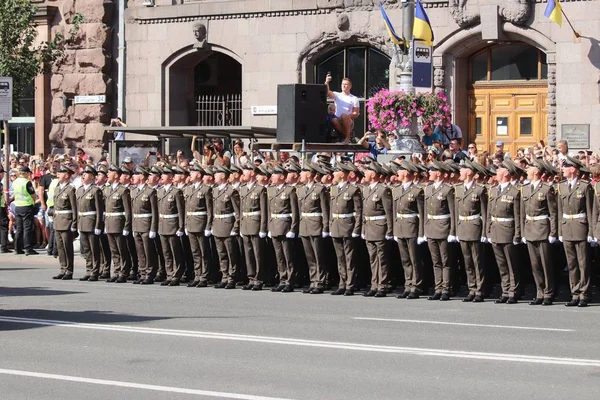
20, 56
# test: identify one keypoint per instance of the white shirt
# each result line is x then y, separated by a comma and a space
222, 186
197, 185
372, 185
405, 186
86, 187
503, 186
310, 185
344, 104
114, 185
250, 185
468, 185
279, 186
437, 185
341, 185
62, 185
534, 184
572, 183
167, 187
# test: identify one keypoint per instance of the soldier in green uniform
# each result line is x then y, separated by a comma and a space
144, 208
105, 256
65, 222
90, 221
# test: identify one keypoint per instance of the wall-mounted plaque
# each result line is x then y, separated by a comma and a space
577, 135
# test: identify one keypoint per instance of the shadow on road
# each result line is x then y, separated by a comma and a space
32, 291
17, 269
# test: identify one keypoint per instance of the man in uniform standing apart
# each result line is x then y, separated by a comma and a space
161, 272
144, 207
24, 200
198, 223
409, 227
378, 227
283, 227
65, 222
117, 224
471, 215
440, 228
171, 227
125, 181
313, 201
105, 257
254, 217
90, 221
504, 231
575, 210
226, 227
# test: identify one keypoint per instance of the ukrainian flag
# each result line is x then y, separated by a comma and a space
422, 27
388, 25
554, 11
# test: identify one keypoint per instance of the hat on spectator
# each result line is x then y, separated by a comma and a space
37, 175
139, 170
126, 171
63, 168
25, 169
90, 170
499, 143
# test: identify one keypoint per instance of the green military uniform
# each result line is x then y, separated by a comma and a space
90, 221
144, 208
65, 224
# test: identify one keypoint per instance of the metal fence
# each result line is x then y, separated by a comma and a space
223, 110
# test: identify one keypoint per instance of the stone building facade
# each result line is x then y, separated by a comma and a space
509, 72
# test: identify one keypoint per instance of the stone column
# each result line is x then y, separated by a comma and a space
551, 57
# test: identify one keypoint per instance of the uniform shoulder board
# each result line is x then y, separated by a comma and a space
585, 181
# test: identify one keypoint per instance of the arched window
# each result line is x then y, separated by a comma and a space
509, 62
368, 69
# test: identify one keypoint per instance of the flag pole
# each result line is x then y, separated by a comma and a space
577, 35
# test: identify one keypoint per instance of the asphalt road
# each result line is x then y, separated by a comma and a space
80, 340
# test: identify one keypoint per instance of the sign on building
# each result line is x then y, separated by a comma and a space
576, 135
422, 65
6, 98
264, 110
94, 99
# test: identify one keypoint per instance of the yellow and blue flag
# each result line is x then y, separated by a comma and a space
400, 41
554, 11
422, 27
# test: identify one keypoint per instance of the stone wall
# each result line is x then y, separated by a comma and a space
86, 71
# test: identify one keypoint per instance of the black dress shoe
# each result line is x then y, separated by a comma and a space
536, 301
137, 282
104, 276
287, 289
370, 293
278, 288
220, 285
248, 287
230, 286
436, 296
582, 303
93, 278
338, 292
257, 287
349, 292
174, 282
316, 291
202, 284
147, 282
67, 277
20, 252
573, 303
307, 290
193, 284
412, 296
501, 300
5, 251
59, 276
113, 279
159, 278
445, 297
132, 277
185, 280
547, 302
469, 298
380, 293
166, 282
85, 278
31, 253
121, 279
478, 299
512, 300
403, 295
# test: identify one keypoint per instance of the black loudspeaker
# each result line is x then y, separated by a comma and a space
302, 113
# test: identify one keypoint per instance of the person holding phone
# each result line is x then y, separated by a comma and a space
375, 142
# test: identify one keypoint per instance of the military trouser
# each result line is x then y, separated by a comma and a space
377, 259
172, 251
510, 275
121, 261
105, 257
146, 255
25, 228
133, 255
541, 266
313, 249
284, 254
187, 260
66, 256
90, 248
3, 228
200, 254
254, 254
579, 270
344, 251
413, 270
440, 256
472, 254
161, 269
228, 258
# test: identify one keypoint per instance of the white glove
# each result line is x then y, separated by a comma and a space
523, 240
207, 233
596, 239
179, 233
490, 241
290, 235
125, 233
262, 235
97, 232
363, 236
186, 231
73, 229
551, 239
395, 238
105, 231
421, 240
389, 238
241, 235
233, 233
484, 240
324, 234
355, 235
560, 239
152, 235
516, 243
269, 234
451, 239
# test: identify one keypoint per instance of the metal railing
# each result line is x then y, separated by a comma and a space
225, 110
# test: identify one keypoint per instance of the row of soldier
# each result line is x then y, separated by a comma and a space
153, 217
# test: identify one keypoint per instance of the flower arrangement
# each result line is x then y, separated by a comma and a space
391, 110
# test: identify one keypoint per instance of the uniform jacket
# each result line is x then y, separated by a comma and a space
88, 201
117, 200
505, 204
470, 202
313, 199
225, 201
578, 200
596, 210
283, 200
253, 201
144, 201
438, 202
65, 200
410, 201
538, 202
198, 199
377, 201
170, 203
347, 200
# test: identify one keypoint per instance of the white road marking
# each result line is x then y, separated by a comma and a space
316, 343
417, 321
206, 393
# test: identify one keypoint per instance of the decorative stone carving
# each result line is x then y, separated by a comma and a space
200, 33
466, 12
438, 78
343, 23
552, 104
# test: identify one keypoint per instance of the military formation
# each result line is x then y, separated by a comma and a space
287, 226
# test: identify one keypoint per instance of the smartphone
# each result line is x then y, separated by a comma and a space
152, 153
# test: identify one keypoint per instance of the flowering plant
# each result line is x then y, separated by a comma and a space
390, 110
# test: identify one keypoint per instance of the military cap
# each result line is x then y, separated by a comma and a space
375, 167
493, 169
90, 170
467, 164
155, 171
314, 168
177, 170
103, 170
196, 167
279, 170
539, 165
63, 168
139, 170
512, 167
451, 166
264, 170
210, 171
323, 158
234, 168
223, 170
385, 170
438, 166
114, 168
327, 168
26, 169
126, 171
167, 170
572, 162
293, 167
408, 166
550, 169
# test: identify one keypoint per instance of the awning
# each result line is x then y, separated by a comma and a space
202, 132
